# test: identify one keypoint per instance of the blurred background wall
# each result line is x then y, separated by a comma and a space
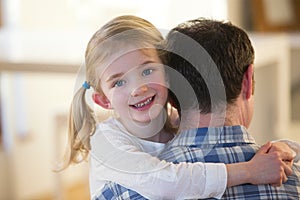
42, 44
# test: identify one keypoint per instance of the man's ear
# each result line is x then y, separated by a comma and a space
248, 82
101, 100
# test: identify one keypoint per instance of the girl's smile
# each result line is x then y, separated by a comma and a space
144, 105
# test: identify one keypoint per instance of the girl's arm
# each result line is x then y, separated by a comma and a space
120, 160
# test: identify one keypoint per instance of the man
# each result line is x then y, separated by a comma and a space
221, 135
216, 59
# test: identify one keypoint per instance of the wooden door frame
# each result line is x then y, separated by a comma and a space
260, 21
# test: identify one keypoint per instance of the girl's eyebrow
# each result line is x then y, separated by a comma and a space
114, 76
147, 62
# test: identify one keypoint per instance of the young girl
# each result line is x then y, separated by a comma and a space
124, 69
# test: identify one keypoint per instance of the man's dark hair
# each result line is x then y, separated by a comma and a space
230, 53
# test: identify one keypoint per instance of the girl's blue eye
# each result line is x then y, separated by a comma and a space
146, 72
119, 83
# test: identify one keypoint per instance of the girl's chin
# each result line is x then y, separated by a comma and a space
144, 120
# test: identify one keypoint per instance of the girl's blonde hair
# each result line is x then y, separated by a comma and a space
109, 42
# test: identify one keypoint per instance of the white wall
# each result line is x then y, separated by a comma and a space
91, 14
34, 151
265, 107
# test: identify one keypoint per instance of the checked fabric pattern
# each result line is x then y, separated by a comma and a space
225, 144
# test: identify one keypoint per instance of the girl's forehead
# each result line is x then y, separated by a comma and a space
145, 51
135, 56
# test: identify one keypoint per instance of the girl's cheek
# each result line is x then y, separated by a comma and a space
119, 95
161, 82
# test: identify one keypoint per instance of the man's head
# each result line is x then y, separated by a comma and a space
228, 46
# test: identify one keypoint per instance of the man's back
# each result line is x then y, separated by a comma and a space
229, 144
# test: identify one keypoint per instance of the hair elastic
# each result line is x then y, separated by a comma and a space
86, 85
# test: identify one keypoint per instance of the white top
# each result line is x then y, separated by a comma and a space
118, 156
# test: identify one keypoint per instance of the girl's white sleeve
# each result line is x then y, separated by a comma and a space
295, 146
120, 160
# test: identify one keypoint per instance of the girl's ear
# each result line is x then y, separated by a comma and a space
101, 100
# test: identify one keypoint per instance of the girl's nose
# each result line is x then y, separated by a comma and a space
139, 91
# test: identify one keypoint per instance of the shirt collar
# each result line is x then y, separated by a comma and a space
210, 136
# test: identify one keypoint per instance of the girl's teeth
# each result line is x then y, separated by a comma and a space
139, 105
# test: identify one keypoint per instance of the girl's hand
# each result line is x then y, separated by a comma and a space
269, 166
283, 148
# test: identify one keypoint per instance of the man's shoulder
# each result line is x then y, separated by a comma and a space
222, 144
204, 136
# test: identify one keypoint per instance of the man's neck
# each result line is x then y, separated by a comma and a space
195, 119
231, 117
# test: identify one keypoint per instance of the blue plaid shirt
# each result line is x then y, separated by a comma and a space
227, 145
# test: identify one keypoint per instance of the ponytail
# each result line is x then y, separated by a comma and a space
82, 125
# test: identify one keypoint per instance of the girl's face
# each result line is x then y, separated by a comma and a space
134, 85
